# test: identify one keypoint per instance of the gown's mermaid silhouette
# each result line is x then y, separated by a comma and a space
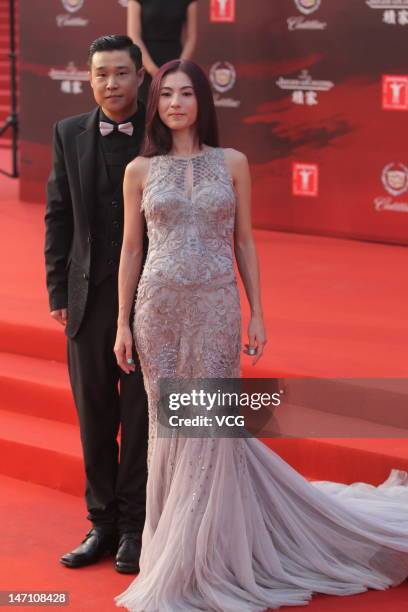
230, 527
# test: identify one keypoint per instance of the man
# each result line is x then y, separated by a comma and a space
84, 227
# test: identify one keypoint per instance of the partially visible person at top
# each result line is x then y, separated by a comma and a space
164, 30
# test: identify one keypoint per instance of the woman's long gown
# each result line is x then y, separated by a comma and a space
231, 527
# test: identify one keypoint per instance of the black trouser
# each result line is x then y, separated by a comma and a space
115, 490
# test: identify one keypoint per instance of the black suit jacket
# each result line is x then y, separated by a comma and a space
68, 217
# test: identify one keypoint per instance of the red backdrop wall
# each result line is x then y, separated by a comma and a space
315, 92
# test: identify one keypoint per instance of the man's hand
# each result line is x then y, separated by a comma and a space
60, 315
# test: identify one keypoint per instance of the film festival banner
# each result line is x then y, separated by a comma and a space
315, 92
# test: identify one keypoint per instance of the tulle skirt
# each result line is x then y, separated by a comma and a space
231, 527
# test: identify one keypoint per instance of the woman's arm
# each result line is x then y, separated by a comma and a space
190, 32
131, 258
245, 250
134, 29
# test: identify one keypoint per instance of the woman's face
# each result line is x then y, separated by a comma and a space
177, 102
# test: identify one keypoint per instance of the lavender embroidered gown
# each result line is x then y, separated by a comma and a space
231, 527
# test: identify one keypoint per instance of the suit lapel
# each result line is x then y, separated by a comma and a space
87, 145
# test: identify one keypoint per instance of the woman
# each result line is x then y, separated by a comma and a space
164, 30
230, 527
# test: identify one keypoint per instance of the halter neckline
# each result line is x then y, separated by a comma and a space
193, 155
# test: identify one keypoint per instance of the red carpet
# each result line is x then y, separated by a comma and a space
334, 308
39, 524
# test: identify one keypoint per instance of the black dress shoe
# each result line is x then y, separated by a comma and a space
127, 557
98, 544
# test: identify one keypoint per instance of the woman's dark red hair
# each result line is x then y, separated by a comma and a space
158, 137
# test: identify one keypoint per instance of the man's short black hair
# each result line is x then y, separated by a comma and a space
115, 42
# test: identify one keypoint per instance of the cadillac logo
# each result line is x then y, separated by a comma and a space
307, 6
222, 76
395, 178
72, 6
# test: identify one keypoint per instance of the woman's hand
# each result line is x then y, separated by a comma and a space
256, 336
123, 348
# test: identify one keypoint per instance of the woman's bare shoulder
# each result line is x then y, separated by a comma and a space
237, 163
137, 169
137, 165
234, 156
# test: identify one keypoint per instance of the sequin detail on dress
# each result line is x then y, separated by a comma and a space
230, 527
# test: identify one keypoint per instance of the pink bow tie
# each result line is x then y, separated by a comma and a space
108, 128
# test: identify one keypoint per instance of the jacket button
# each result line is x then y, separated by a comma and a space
110, 262
86, 277
115, 204
114, 243
116, 224
89, 238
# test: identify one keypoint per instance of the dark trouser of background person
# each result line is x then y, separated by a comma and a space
164, 31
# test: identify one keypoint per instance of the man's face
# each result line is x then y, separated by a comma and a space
115, 81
